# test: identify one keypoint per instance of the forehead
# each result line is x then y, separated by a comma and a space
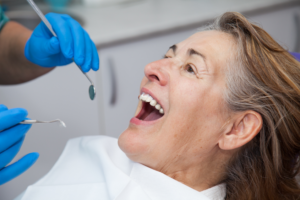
216, 46
210, 43
212, 39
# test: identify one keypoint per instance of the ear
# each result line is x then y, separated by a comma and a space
245, 127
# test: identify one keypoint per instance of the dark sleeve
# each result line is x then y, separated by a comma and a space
3, 19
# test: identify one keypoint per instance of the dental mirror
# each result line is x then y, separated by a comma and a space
92, 92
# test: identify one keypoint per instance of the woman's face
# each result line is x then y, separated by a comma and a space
188, 84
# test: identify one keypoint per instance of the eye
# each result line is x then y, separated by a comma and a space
189, 69
165, 56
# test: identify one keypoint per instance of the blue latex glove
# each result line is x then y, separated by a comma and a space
11, 138
72, 42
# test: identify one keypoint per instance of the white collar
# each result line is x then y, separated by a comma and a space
160, 186
217, 192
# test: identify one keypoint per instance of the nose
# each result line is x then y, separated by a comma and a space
156, 72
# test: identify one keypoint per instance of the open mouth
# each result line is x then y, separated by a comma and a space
151, 110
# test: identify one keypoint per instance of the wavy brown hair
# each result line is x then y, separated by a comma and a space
265, 78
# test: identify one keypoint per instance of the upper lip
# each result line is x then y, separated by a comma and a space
147, 91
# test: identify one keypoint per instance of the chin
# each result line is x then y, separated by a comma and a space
133, 143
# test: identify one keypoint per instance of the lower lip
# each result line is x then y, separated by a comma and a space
136, 121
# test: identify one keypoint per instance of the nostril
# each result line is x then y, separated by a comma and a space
154, 77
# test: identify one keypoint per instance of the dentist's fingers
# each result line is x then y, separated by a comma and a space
85, 51
12, 117
8, 155
12, 135
50, 47
14, 170
63, 32
88, 54
79, 41
3, 108
42, 31
95, 62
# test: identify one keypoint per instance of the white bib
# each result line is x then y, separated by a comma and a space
95, 168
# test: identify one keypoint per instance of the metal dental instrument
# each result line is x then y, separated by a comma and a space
92, 89
32, 121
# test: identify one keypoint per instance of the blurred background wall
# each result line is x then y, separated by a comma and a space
129, 34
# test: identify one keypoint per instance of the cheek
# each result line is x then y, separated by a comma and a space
188, 100
198, 101
195, 114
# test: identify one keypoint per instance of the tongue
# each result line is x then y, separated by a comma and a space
154, 115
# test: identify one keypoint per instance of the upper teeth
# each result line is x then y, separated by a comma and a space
149, 99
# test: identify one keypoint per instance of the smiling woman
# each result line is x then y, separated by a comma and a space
218, 118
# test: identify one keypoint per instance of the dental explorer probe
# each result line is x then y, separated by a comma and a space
33, 121
92, 89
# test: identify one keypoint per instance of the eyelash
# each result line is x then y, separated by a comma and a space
186, 67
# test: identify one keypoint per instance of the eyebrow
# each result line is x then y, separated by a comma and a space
173, 47
190, 51
194, 52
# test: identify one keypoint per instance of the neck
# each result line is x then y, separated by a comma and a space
202, 175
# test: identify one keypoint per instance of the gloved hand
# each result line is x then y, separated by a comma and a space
72, 42
12, 135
